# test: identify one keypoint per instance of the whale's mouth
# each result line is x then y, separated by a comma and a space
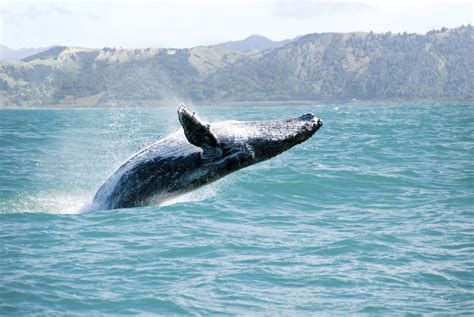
309, 117
268, 138
303, 126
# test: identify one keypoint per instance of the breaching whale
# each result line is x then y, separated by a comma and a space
198, 154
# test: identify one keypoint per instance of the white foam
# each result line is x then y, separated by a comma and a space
201, 194
45, 203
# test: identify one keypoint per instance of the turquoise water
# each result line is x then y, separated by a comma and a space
374, 214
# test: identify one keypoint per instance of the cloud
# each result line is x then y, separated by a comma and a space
27, 24
40, 10
187, 23
310, 9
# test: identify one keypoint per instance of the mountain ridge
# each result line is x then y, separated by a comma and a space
9, 54
319, 66
254, 42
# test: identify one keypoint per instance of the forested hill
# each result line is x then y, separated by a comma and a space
324, 67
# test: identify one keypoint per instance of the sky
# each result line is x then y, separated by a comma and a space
186, 23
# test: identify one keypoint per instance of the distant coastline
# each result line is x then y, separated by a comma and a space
172, 103
317, 68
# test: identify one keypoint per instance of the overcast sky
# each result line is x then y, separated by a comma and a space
186, 23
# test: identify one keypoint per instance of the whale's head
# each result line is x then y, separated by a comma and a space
245, 143
269, 138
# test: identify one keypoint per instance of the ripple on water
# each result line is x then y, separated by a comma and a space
371, 216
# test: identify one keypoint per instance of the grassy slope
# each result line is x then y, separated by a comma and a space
328, 66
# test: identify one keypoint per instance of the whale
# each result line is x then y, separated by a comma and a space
197, 154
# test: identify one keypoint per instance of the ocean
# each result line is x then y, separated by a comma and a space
373, 215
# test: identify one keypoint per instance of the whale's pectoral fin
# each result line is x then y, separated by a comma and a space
200, 134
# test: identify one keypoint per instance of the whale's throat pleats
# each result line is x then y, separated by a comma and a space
200, 134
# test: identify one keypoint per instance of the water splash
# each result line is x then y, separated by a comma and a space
197, 195
44, 202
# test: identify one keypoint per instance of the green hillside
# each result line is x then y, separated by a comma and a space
324, 67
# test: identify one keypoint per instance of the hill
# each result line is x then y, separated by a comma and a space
325, 67
9, 54
253, 42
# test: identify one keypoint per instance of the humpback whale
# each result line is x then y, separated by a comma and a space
198, 154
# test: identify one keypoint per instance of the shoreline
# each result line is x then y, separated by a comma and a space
168, 103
